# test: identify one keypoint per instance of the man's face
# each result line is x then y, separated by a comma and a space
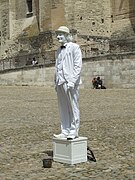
61, 37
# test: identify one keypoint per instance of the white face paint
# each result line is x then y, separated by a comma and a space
62, 38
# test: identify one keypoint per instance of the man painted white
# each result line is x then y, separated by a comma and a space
67, 79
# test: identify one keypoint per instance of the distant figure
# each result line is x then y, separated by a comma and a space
34, 61
94, 83
98, 83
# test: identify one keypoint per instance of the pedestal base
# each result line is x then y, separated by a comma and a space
70, 151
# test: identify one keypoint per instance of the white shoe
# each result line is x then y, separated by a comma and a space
61, 136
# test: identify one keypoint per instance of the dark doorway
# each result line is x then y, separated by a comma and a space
29, 4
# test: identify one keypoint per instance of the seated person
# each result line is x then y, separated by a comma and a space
94, 83
34, 61
99, 83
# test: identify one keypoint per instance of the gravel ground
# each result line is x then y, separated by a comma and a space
29, 118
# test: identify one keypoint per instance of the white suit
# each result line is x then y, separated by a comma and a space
67, 80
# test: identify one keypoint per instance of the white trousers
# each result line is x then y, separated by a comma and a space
69, 109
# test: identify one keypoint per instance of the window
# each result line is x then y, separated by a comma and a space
29, 4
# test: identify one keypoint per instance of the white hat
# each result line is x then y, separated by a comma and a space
63, 29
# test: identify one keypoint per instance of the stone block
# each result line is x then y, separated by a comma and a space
70, 151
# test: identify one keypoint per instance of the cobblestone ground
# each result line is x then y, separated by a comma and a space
29, 117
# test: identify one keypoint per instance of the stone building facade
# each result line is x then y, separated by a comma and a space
28, 26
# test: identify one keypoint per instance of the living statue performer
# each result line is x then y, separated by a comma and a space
67, 80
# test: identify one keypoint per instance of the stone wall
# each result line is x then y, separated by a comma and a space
117, 71
99, 26
90, 18
123, 19
4, 22
90, 22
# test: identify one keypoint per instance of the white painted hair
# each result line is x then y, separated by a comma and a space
69, 38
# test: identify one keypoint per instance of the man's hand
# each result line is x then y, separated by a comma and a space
70, 85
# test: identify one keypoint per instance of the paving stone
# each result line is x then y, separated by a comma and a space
29, 118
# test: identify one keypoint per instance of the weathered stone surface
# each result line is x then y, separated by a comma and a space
90, 22
116, 71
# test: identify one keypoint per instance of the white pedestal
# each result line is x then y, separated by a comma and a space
70, 151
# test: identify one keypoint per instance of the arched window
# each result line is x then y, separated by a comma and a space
30, 11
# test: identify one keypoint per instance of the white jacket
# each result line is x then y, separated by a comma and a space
71, 63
